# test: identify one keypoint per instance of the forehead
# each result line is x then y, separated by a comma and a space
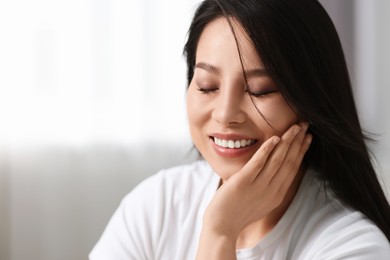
219, 40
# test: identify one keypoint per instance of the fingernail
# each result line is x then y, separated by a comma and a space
309, 138
304, 125
296, 130
275, 140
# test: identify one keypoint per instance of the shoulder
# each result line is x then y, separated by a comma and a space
336, 231
351, 236
150, 219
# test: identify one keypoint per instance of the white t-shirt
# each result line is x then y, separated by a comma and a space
162, 219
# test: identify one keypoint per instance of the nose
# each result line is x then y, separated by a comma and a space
228, 110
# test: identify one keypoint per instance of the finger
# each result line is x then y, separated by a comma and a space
252, 168
290, 166
304, 148
277, 157
290, 163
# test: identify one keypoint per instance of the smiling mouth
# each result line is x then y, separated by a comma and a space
233, 144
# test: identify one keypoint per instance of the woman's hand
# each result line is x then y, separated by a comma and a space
252, 193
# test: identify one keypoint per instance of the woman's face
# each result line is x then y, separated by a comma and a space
225, 125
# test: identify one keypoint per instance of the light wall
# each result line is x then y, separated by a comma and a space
364, 33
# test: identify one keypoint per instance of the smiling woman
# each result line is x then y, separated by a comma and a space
286, 171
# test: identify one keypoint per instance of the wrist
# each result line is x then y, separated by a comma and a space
216, 245
220, 230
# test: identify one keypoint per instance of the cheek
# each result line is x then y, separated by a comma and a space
279, 114
191, 106
194, 111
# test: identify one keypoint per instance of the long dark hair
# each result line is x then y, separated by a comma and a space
299, 47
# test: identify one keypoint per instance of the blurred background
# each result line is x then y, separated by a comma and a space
92, 102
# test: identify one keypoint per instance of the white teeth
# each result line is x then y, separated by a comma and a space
233, 143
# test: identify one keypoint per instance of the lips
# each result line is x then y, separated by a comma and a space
233, 144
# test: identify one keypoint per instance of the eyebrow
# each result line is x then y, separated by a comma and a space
260, 72
208, 67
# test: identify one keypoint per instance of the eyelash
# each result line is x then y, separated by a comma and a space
254, 94
260, 94
207, 90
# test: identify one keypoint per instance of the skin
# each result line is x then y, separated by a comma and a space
258, 184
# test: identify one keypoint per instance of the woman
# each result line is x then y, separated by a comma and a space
286, 172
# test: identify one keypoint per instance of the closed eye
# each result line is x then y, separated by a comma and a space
207, 90
261, 93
